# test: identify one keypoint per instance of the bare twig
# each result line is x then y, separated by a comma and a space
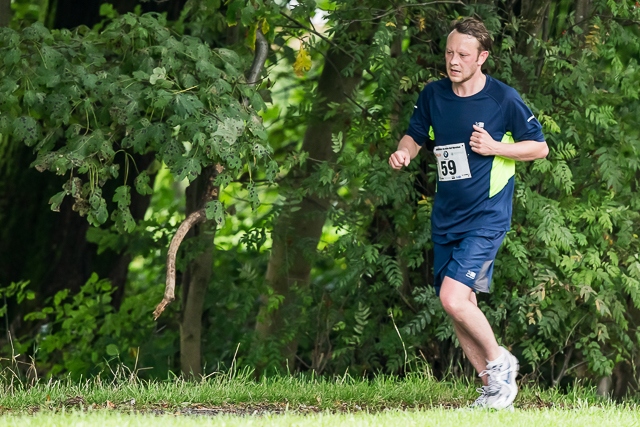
169, 291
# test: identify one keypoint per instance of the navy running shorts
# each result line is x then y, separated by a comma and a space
466, 257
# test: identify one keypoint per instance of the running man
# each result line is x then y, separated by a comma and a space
472, 121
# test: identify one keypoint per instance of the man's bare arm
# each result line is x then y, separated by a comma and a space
482, 143
407, 150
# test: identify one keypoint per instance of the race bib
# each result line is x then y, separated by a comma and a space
453, 163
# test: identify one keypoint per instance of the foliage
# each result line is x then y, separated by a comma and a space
82, 99
566, 290
82, 333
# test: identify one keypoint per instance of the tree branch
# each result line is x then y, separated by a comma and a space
262, 50
169, 291
565, 366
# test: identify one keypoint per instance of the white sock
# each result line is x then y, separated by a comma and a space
500, 359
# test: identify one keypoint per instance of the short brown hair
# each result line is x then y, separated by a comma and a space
475, 28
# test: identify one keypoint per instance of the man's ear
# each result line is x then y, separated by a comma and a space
483, 57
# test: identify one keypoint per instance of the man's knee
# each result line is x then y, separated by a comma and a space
451, 304
455, 297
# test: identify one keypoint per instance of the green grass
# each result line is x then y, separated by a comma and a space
277, 393
586, 417
239, 400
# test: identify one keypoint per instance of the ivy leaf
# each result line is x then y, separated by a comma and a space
143, 76
228, 56
33, 98
58, 108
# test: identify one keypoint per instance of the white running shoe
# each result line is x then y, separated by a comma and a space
502, 388
481, 401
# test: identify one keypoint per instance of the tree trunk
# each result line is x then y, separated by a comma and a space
197, 275
583, 11
533, 14
296, 233
5, 12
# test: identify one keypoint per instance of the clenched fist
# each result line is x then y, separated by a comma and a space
400, 158
482, 143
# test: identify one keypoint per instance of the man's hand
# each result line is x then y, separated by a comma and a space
524, 151
482, 143
400, 158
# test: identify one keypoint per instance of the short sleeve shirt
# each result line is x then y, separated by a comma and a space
473, 191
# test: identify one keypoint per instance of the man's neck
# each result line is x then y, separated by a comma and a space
471, 86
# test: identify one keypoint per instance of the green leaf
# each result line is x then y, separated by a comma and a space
124, 222
229, 130
98, 215
215, 210
11, 57
142, 184
337, 142
253, 196
56, 201
159, 73
112, 350
27, 130
122, 196
272, 170
187, 167
187, 105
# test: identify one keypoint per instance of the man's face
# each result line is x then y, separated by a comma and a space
463, 57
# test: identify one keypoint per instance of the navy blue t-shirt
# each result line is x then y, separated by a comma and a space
481, 198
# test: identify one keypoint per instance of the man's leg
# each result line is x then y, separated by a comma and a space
479, 361
479, 344
472, 327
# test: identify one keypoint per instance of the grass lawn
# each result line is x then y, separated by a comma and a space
585, 417
238, 400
